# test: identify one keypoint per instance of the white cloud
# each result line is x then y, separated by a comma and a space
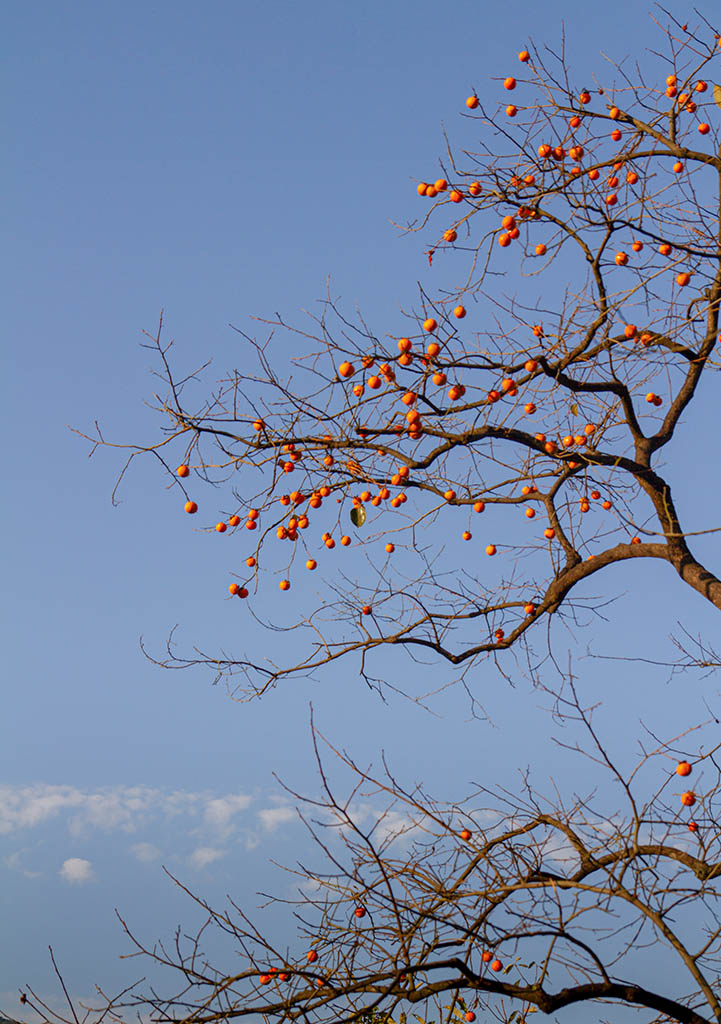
205, 855
77, 870
272, 818
220, 811
112, 808
28, 806
146, 853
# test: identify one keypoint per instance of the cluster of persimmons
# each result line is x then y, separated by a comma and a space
383, 405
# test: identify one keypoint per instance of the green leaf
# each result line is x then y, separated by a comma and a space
358, 515
717, 95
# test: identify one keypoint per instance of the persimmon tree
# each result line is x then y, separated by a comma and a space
503, 904
606, 205
551, 383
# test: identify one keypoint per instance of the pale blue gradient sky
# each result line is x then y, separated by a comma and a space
221, 160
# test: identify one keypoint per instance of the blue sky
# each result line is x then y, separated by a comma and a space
217, 161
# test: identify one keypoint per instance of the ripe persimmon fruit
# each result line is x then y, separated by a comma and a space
191, 508
221, 527
683, 768
284, 584
430, 325
688, 799
472, 102
234, 521
459, 312
510, 83
183, 470
491, 549
234, 588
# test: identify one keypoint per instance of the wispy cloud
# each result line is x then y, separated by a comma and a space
205, 855
115, 808
272, 818
77, 870
146, 853
219, 812
15, 861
